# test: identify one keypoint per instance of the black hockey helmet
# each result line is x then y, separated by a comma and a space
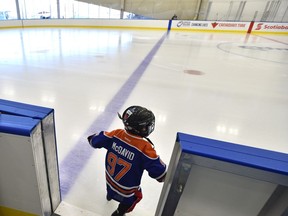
138, 120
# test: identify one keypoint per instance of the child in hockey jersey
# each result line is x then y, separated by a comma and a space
129, 153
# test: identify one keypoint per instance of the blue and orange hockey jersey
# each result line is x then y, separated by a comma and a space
126, 159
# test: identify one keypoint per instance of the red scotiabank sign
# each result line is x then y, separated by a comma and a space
269, 26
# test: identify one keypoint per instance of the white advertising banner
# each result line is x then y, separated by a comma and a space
270, 27
210, 25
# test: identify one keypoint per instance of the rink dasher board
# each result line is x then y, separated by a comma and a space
29, 178
211, 177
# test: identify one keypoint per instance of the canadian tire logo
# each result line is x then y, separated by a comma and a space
214, 24
259, 26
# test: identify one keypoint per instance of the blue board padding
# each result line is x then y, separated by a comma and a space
233, 147
234, 153
17, 125
169, 25
19, 118
21, 109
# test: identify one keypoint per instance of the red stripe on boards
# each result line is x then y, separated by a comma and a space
250, 27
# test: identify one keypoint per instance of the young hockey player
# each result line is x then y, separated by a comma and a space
129, 153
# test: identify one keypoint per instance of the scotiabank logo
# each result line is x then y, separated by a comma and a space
279, 27
259, 26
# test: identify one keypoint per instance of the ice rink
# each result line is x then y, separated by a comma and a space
230, 87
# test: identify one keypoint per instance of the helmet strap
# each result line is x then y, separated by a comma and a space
150, 141
119, 115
